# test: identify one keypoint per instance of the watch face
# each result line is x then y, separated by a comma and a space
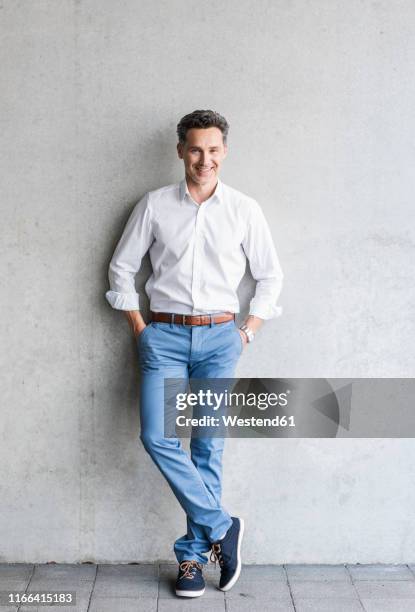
250, 334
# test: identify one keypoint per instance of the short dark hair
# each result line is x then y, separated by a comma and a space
202, 119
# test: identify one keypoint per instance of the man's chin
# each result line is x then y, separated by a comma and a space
204, 180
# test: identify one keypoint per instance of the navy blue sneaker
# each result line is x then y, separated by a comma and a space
190, 581
228, 552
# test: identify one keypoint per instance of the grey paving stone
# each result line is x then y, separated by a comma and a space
168, 570
61, 577
121, 604
5, 605
14, 584
197, 604
126, 586
263, 572
329, 604
317, 572
137, 581
65, 571
139, 570
310, 589
81, 589
380, 572
255, 590
388, 605
386, 589
20, 571
261, 605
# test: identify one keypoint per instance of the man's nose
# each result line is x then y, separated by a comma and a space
205, 159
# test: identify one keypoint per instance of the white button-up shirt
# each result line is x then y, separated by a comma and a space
198, 253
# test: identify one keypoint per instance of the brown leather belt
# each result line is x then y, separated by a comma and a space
181, 319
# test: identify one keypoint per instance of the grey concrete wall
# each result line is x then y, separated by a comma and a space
320, 99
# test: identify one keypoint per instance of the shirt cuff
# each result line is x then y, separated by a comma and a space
265, 311
123, 301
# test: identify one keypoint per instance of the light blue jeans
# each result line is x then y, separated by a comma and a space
176, 351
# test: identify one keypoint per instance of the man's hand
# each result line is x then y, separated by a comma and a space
135, 321
244, 338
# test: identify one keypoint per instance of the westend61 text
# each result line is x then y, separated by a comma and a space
235, 421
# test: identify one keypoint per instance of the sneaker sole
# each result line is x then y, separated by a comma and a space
190, 593
235, 577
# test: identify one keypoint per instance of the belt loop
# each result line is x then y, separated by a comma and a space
171, 320
212, 322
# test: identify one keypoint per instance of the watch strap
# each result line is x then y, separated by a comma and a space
249, 333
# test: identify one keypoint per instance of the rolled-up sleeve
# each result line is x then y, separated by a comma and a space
135, 241
265, 267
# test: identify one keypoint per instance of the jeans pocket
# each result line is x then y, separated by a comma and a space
140, 336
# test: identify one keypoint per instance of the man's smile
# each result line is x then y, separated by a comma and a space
204, 170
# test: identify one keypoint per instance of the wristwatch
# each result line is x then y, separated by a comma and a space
249, 333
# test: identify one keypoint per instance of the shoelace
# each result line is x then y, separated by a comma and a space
188, 566
216, 554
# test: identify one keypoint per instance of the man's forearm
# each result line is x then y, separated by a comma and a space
135, 321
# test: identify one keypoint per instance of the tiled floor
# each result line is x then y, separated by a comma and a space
261, 588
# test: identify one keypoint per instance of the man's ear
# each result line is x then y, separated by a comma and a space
226, 150
180, 150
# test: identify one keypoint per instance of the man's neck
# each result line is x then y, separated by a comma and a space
200, 193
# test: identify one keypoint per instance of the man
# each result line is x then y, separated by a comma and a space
199, 233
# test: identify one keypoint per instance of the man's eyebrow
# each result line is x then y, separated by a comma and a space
212, 147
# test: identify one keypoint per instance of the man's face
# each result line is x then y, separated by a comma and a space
202, 154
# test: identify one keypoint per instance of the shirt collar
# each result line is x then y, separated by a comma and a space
184, 190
